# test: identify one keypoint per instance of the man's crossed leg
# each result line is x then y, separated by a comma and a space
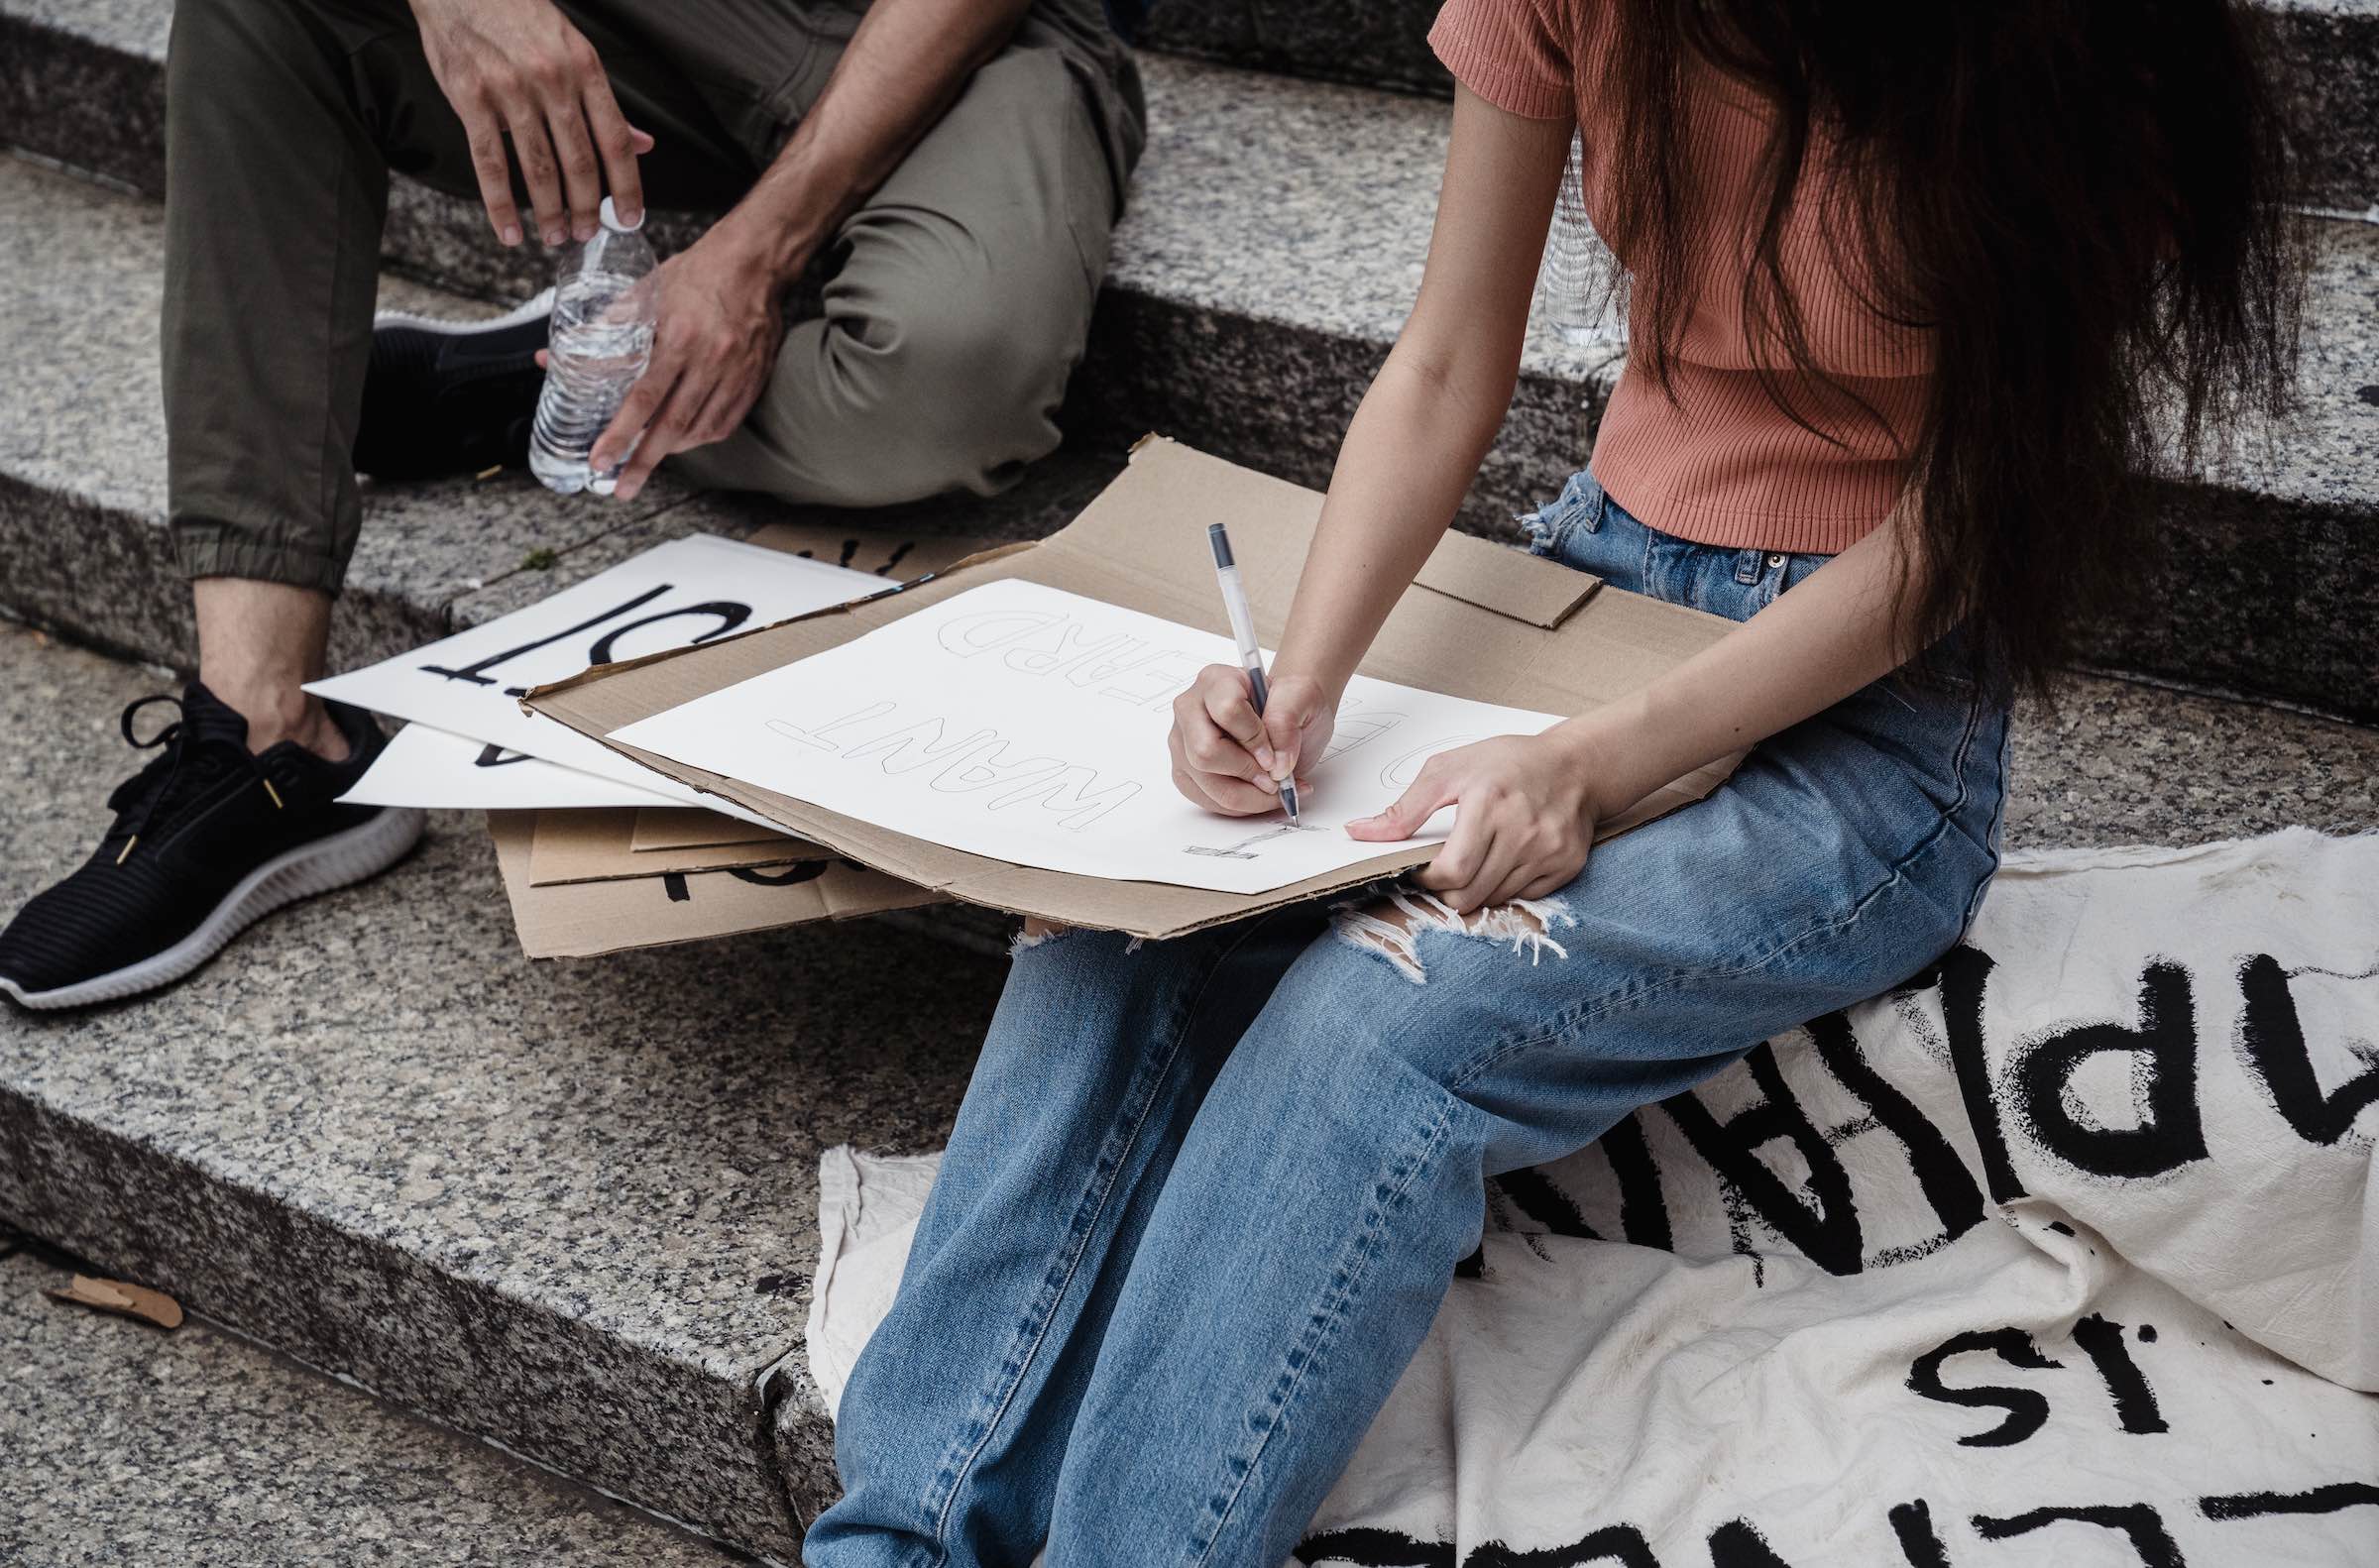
955, 166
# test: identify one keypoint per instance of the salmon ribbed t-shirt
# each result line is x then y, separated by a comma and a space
1722, 464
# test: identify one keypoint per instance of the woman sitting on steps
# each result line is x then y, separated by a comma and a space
1921, 292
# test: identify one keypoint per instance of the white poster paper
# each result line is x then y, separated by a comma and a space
1029, 723
685, 592
435, 772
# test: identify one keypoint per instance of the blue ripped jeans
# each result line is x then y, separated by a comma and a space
1204, 1195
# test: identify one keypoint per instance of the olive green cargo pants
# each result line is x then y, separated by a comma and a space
958, 306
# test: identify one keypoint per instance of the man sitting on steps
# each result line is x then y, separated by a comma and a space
955, 167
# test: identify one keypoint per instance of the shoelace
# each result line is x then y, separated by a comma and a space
154, 782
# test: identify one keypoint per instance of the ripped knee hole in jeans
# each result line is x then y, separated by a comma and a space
1392, 926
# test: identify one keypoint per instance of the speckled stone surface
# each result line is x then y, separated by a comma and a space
1048, 496
1371, 42
86, 84
567, 1206
2271, 574
127, 1445
2122, 762
2327, 51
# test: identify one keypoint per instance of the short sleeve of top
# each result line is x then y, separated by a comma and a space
1510, 52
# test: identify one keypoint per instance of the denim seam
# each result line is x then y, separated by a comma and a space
1990, 834
1080, 1238
1322, 1326
1595, 514
1610, 1001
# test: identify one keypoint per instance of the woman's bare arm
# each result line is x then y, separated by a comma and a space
1529, 804
1416, 442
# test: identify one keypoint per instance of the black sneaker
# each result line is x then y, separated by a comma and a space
450, 396
208, 840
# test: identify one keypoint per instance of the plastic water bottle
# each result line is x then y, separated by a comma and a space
601, 340
1579, 282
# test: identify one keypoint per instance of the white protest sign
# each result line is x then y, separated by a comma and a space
1029, 723
434, 771
685, 592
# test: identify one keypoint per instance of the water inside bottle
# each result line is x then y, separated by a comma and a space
601, 341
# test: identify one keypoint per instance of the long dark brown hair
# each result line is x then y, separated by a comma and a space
2081, 204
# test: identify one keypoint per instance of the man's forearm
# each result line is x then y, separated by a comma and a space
908, 63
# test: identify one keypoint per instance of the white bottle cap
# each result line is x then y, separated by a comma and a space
611, 219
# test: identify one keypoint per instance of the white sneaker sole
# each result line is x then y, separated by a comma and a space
540, 304
324, 864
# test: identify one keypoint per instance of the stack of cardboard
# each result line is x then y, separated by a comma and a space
579, 886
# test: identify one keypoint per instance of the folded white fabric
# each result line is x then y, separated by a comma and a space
2071, 1254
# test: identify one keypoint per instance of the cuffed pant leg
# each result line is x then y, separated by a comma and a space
283, 118
960, 310
274, 199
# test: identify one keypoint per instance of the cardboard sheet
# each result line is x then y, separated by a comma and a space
887, 549
435, 772
690, 827
1022, 722
1474, 624
685, 591
585, 919
598, 847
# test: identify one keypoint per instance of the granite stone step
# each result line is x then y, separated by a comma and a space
1274, 242
571, 1207
567, 1208
79, 79
2328, 51
215, 1450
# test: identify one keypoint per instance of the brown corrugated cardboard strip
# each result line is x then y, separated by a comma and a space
1482, 621
897, 554
690, 827
597, 845
125, 1301
584, 919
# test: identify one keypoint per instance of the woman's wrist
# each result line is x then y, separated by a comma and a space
1609, 750
1288, 666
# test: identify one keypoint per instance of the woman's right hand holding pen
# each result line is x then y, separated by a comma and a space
1228, 758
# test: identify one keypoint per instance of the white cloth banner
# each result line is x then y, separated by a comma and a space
2069, 1255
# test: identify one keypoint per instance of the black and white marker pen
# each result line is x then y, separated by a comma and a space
1243, 631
